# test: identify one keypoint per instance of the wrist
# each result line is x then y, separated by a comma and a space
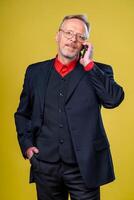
87, 62
89, 66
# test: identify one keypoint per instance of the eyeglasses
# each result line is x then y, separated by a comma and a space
70, 34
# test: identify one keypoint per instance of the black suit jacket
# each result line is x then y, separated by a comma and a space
87, 92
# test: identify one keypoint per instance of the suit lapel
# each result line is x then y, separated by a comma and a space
77, 75
43, 81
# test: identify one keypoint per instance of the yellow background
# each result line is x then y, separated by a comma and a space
27, 35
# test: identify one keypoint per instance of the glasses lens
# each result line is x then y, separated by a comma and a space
70, 34
81, 38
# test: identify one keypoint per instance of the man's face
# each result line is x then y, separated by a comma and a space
70, 47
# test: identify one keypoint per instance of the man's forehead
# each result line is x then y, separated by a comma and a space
74, 23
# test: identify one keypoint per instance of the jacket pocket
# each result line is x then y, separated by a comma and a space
101, 144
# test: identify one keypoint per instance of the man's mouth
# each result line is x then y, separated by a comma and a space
71, 46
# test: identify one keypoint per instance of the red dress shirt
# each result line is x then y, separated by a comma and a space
63, 70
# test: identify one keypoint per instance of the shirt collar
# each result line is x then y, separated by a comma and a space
64, 69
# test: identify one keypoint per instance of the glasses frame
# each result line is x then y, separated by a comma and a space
70, 34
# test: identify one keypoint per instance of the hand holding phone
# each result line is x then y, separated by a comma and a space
83, 51
86, 54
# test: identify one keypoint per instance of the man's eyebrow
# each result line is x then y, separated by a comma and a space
73, 31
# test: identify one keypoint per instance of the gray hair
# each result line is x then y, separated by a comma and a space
83, 18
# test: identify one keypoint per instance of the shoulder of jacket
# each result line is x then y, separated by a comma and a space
39, 65
104, 67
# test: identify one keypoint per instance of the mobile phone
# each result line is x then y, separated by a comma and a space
83, 50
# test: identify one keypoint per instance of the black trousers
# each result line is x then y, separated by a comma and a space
55, 181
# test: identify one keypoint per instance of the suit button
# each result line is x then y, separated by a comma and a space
61, 94
63, 79
60, 110
61, 141
61, 125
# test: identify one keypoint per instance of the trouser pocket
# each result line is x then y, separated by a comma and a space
35, 163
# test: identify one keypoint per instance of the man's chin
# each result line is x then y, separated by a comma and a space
70, 56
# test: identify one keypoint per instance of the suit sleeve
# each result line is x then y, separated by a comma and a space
23, 116
108, 91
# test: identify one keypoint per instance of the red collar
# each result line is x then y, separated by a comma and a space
64, 69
